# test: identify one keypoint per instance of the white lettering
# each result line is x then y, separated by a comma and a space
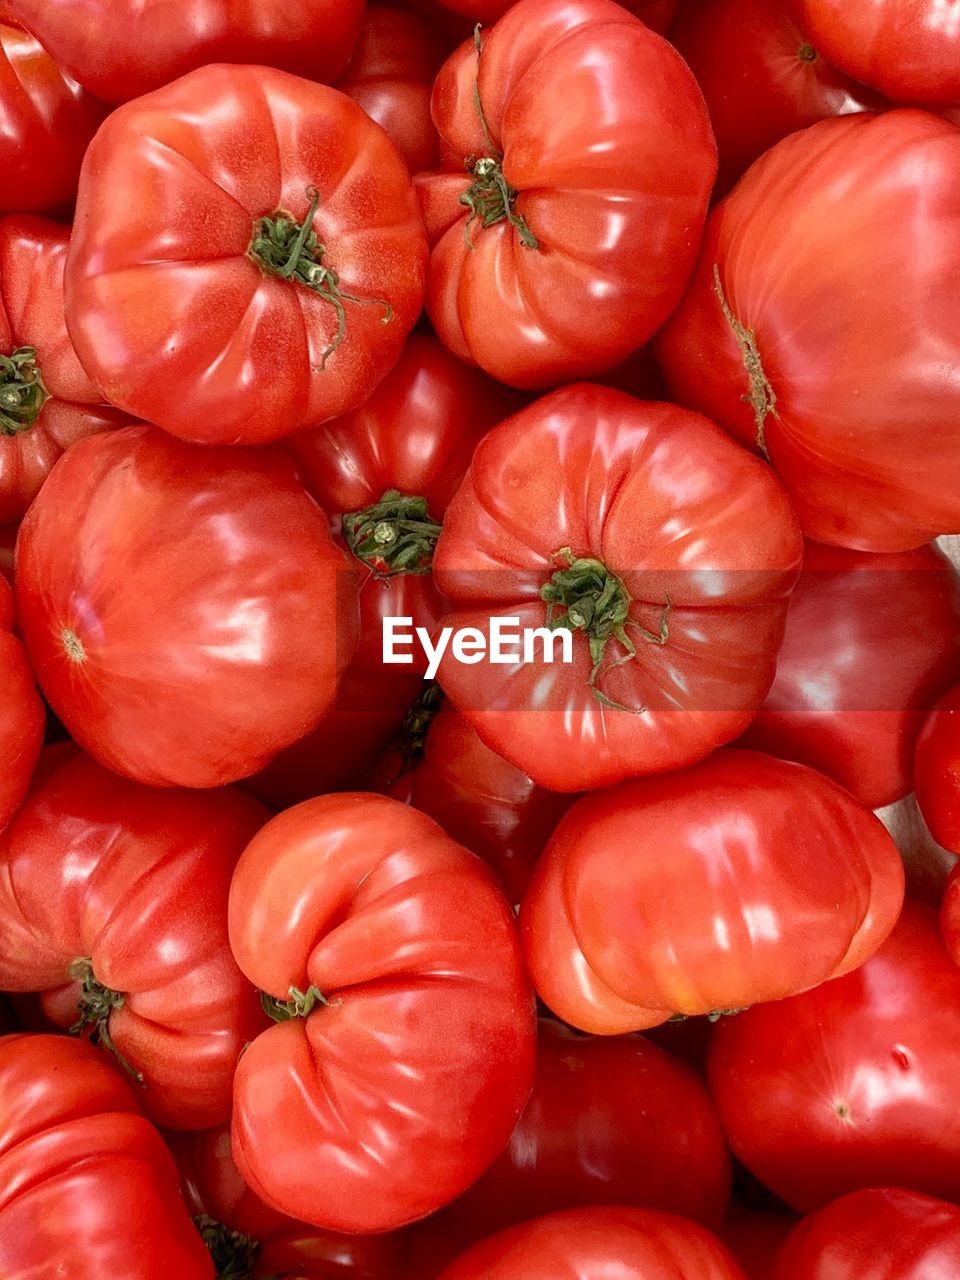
434, 652
392, 638
548, 639
499, 636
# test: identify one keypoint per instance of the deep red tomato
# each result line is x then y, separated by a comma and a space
938, 771
46, 123
243, 1233
755, 1239
407, 1047
271, 277
871, 641
792, 339
886, 1234
120, 49
113, 900
589, 160
222, 646
761, 77
47, 402
739, 881
391, 76
22, 716
87, 1187
668, 551
853, 1084
599, 1244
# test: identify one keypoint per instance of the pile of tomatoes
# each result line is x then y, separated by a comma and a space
635, 328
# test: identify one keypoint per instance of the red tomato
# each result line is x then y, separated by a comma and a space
47, 402
950, 914
871, 641
668, 551
113, 901
886, 1234
742, 880
761, 78
87, 1187
242, 1232
120, 49
853, 1084
938, 771
599, 1244
407, 1047
755, 1239
589, 161
22, 716
391, 76
792, 339
266, 332
46, 123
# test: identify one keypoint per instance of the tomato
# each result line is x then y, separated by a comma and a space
46, 123
688, 546
240, 1230
232, 612
218, 334
938, 771
739, 881
761, 78
871, 641
806, 353
113, 898
22, 716
8, 540
888, 1234
47, 402
87, 1187
391, 76
406, 1049
950, 914
658, 14
853, 1084
589, 161
594, 1244
120, 49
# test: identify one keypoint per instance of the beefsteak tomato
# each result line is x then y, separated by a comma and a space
22, 716
938, 771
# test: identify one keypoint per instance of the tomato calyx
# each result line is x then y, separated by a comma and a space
394, 536
96, 1003
807, 53
283, 247
300, 1005
713, 1016
762, 396
233, 1254
22, 393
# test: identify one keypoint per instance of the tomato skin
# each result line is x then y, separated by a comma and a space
852, 1084
761, 78
657, 14
617, 940
249, 345
938, 771
121, 49
899, 1234
629, 110
805, 265
590, 469
871, 640
223, 539
88, 1187
426, 1049
22, 715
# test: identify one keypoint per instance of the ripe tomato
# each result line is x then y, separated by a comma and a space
47, 124
792, 339
761, 77
232, 613
269, 331
46, 400
938, 771
739, 881
853, 1084
589, 161
87, 1187
871, 641
391, 76
22, 717
406, 1051
113, 899
667, 550
120, 49
886, 1234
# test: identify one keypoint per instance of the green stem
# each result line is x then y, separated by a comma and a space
22, 393
762, 396
394, 536
233, 1254
96, 1003
300, 1005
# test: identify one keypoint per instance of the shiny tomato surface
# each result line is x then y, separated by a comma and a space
938, 771
22, 715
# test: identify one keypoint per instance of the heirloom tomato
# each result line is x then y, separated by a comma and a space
271, 277
938, 771
405, 1043
22, 716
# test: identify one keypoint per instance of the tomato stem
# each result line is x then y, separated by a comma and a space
409, 743
232, 1252
762, 395
96, 1003
300, 1005
22, 393
807, 53
394, 536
